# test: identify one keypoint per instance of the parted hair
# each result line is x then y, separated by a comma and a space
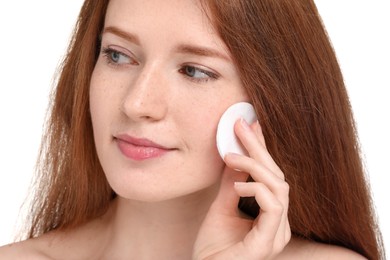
289, 69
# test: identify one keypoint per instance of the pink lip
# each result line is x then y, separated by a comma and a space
140, 149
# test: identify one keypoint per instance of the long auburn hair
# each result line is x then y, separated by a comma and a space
290, 71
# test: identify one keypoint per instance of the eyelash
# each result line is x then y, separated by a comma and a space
209, 75
107, 52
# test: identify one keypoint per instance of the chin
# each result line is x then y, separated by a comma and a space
169, 191
160, 180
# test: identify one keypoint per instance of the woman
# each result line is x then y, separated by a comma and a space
129, 165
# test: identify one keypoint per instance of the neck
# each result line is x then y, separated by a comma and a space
166, 228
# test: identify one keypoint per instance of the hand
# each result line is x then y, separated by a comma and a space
226, 233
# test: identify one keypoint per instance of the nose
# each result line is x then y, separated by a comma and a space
146, 96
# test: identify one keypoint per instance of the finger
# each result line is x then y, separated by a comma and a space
284, 230
227, 198
260, 174
256, 128
277, 186
283, 234
256, 149
265, 232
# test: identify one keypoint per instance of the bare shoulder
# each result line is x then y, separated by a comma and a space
28, 249
303, 249
82, 242
52, 245
324, 251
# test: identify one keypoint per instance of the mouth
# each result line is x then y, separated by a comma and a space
140, 149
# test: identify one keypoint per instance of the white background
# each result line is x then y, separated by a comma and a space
33, 39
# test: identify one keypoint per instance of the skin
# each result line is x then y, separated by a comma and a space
183, 204
152, 96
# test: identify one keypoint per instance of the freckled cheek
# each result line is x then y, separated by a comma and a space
203, 129
95, 88
95, 102
206, 144
103, 88
100, 109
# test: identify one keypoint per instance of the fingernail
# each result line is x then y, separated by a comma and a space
244, 124
233, 156
239, 184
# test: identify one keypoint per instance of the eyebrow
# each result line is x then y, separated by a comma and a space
201, 51
183, 48
125, 35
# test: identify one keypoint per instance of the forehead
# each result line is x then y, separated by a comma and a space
168, 8
163, 19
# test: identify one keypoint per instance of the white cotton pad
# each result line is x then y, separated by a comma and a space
227, 140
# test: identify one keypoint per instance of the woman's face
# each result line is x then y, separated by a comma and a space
161, 83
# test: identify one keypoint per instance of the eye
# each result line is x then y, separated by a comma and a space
117, 58
197, 74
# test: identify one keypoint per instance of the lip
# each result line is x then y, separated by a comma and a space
140, 149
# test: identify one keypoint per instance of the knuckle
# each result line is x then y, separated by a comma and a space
277, 208
283, 187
